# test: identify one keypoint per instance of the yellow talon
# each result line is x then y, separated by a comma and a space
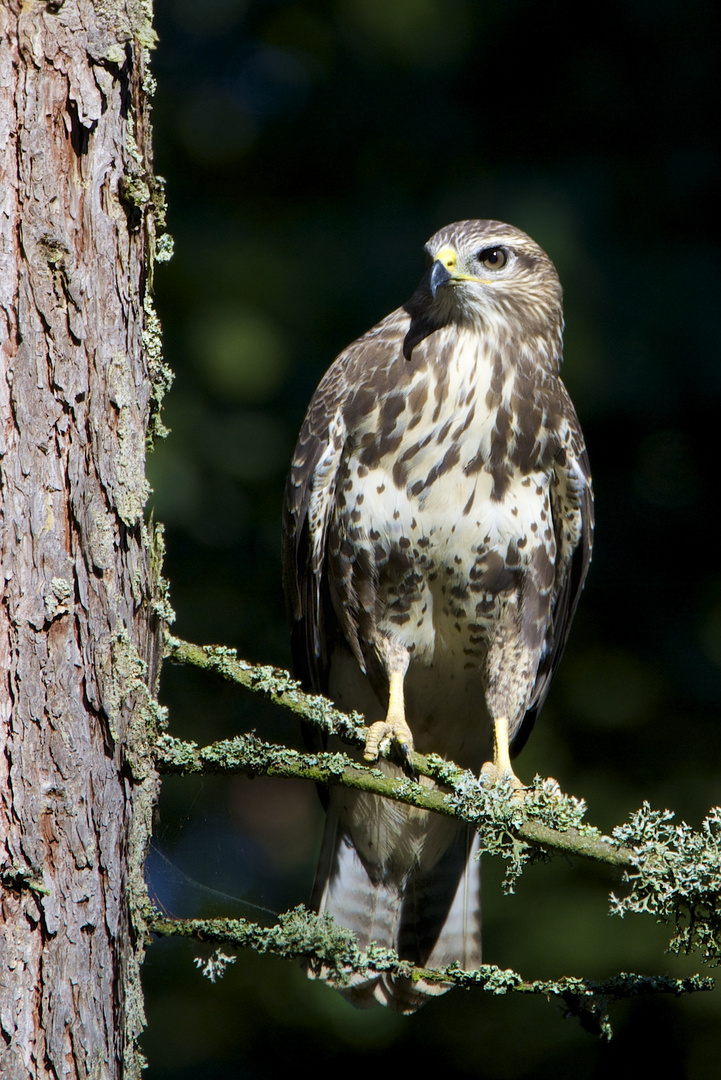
501, 768
394, 728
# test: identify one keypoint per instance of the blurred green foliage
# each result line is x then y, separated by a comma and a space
310, 149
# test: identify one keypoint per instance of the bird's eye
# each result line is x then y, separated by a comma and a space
492, 258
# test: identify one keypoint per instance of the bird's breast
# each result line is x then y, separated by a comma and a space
435, 493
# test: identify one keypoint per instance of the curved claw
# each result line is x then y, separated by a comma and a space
406, 762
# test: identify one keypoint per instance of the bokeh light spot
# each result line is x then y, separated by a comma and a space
610, 688
240, 352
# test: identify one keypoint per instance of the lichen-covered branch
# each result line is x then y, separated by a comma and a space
673, 871
546, 820
320, 942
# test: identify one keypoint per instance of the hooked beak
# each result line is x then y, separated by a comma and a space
444, 269
440, 275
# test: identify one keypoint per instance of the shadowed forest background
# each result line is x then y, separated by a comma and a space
310, 149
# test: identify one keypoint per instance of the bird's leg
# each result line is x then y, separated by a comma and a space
501, 752
510, 669
394, 728
501, 767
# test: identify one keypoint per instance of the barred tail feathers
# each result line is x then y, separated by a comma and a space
429, 911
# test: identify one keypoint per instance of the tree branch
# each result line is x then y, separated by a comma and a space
546, 819
674, 871
323, 944
485, 808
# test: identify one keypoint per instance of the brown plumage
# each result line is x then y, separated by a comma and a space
438, 527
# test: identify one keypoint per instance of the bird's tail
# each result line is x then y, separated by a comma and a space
429, 914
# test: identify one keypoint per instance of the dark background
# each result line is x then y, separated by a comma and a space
310, 149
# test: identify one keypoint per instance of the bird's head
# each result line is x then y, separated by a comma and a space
493, 276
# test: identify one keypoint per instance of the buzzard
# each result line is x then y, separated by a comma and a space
437, 533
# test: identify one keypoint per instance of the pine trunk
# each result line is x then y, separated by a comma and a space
80, 616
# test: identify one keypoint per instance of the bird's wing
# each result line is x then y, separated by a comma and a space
573, 522
348, 392
309, 501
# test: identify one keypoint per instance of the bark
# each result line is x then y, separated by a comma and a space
81, 612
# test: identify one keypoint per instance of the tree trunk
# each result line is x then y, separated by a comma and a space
81, 615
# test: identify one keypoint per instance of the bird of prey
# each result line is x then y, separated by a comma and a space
437, 532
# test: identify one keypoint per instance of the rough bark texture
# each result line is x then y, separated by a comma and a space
80, 617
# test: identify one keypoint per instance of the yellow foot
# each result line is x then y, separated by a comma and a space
493, 774
385, 732
394, 728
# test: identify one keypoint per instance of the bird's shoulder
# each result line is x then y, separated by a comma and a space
358, 376
362, 369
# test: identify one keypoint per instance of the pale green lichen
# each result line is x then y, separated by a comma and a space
57, 598
125, 695
164, 248
675, 876
161, 376
23, 878
330, 949
214, 967
132, 488
100, 534
134, 190
159, 587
